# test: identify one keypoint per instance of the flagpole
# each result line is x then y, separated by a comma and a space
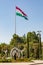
15, 24
15, 19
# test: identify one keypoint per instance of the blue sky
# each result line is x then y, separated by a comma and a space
34, 10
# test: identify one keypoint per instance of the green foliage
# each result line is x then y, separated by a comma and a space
33, 37
21, 47
22, 60
27, 46
30, 43
5, 60
17, 60
36, 44
16, 39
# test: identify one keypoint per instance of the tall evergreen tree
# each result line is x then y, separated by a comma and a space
27, 46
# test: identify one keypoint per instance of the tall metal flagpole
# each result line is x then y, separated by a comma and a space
15, 26
15, 19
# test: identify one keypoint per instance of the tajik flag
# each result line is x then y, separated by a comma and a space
19, 12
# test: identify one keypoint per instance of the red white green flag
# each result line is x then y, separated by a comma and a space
19, 12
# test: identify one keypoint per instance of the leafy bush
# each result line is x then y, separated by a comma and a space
5, 60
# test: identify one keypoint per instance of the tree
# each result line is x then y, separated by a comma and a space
40, 46
16, 40
24, 39
32, 39
27, 46
3, 48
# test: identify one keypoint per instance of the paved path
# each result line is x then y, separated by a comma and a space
38, 62
35, 62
